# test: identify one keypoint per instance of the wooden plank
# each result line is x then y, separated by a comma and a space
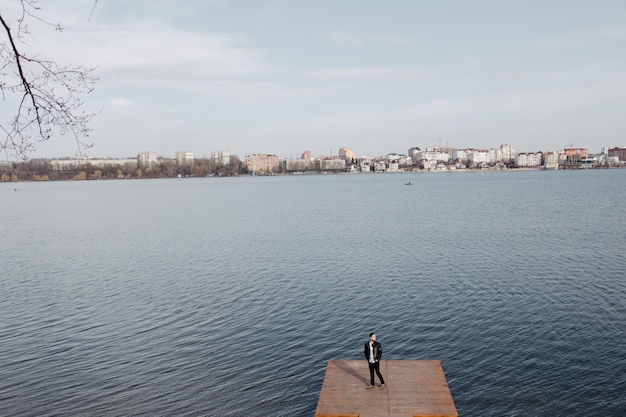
413, 388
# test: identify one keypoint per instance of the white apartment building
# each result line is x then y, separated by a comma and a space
393, 167
435, 153
507, 153
528, 159
551, 160
146, 159
478, 156
460, 154
221, 158
184, 158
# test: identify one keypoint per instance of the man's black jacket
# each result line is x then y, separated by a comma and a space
376, 347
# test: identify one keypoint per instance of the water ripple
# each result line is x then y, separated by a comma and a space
227, 298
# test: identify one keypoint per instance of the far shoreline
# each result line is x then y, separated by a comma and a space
84, 176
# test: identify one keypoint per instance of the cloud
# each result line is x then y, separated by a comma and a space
237, 90
146, 48
121, 102
587, 74
483, 118
565, 44
347, 38
371, 74
146, 55
611, 33
579, 40
145, 52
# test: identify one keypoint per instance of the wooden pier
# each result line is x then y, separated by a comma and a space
413, 388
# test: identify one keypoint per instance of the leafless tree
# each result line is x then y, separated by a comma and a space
47, 95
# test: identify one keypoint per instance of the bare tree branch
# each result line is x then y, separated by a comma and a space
92, 10
48, 95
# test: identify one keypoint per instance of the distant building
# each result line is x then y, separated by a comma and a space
184, 158
551, 160
575, 156
393, 166
414, 153
147, 159
478, 156
298, 165
74, 163
220, 158
460, 154
435, 153
589, 162
333, 164
507, 153
493, 156
346, 154
528, 159
307, 155
429, 165
380, 166
620, 153
261, 164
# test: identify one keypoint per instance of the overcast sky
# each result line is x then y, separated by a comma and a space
282, 77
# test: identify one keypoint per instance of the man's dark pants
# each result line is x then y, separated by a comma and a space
375, 367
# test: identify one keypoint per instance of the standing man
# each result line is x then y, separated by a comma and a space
373, 352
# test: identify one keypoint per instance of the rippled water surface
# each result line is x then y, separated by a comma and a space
226, 297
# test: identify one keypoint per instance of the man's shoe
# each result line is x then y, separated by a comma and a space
369, 387
382, 386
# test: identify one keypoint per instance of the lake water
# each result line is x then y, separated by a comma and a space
227, 296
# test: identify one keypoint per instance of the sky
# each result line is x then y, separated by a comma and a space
286, 76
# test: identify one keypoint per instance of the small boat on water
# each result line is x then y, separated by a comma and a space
408, 183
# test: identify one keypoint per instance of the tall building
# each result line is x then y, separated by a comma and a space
261, 164
346, 154
146, 159
620, 153
507, 153
221, 158
414, 153
184, 158
551, 160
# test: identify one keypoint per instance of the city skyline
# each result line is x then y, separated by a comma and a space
498, 153
280, 77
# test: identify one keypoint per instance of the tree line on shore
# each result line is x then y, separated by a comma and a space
45, 170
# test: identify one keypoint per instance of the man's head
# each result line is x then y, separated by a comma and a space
372, 337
